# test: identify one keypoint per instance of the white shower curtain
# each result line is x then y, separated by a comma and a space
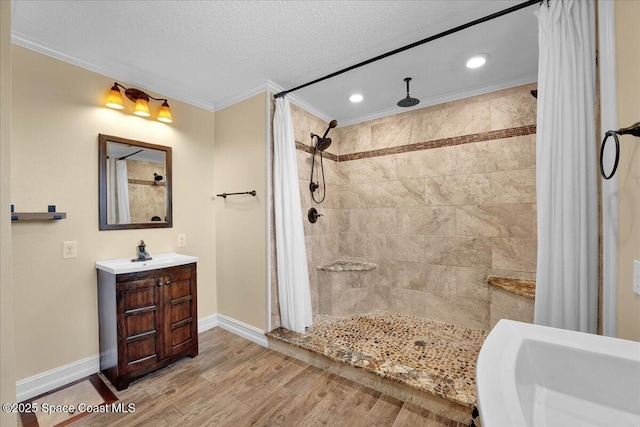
122, 184
112, 204
293, 275
567, 271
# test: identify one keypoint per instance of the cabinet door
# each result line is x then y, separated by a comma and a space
140, 318
180, 312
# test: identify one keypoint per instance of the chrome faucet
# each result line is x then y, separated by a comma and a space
143, 255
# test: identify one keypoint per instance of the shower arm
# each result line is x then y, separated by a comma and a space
320, 145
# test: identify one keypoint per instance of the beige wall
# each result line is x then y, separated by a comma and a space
628, 68
57, 114
241, 226
7, 343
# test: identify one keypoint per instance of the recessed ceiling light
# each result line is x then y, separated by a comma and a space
356, 97
476, 61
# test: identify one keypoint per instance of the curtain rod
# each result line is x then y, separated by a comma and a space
414, 44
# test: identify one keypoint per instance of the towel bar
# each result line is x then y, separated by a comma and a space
224, 195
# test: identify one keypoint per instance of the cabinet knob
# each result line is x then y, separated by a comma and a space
168, 282
160, 283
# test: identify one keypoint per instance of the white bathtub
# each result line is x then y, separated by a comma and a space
529, 375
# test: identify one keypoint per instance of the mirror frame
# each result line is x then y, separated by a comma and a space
102, 183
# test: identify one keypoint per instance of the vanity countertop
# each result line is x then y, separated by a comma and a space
125, 265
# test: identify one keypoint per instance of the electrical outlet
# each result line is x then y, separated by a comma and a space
636, 276
70, 249
182, 239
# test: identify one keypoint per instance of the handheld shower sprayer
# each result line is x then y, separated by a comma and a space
321, 144
332, 124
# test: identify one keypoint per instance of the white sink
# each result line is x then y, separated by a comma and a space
530, 375
125, 265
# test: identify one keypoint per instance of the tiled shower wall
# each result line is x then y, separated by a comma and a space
439, 198
146, 195
438, 221
321, 238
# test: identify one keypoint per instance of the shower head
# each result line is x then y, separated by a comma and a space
157, 177
323, 142
408, 101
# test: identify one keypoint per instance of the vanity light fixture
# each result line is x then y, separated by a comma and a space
114, 100
477, 61
356, 97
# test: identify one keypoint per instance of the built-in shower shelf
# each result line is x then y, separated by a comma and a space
37, 216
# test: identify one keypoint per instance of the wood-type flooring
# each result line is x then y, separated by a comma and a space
235, 382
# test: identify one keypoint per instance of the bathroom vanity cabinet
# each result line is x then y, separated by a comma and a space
148, 319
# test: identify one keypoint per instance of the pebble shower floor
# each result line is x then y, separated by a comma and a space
435, 357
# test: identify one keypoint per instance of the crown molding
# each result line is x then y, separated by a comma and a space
249, 93
294, 99
116, 74
174, 92
439, 100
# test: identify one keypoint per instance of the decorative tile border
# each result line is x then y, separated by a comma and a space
427, 145
309, 149
445, 142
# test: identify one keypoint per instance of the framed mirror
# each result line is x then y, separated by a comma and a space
135, 184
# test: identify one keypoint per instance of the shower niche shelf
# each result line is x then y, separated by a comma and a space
51, 215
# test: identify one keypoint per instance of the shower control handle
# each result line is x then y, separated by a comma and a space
313, 215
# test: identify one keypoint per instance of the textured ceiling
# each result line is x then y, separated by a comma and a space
212, 53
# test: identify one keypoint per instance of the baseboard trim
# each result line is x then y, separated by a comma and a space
60, 376
208, 322
49, 380
242, 329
